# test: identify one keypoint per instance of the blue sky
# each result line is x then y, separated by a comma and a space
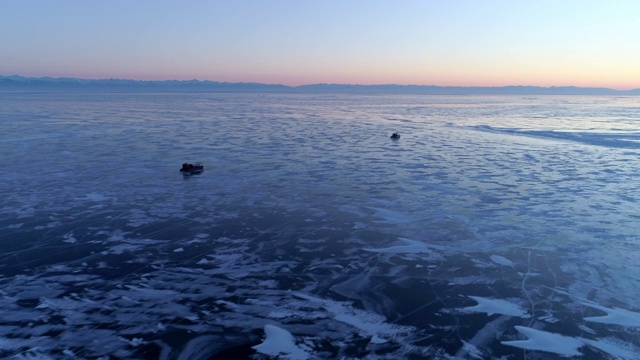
293, 42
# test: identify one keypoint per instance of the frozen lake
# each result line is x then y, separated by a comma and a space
496, 227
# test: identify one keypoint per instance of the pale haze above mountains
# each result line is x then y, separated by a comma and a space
21, 83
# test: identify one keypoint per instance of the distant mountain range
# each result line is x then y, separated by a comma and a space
21, 83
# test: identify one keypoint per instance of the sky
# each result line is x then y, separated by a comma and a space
294, 42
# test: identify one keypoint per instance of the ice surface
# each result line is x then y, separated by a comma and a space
411, 247
496, 227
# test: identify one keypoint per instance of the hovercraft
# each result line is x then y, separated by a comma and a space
188, 168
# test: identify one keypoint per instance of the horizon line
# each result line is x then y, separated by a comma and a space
309, 84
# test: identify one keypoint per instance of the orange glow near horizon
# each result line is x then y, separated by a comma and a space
442, 43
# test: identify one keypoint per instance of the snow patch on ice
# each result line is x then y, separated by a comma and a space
615, 316
546, 341
586, 329
121, 249
472, 351
501, 260
495, 306
279, 342
368, 324
68, 238
618, 349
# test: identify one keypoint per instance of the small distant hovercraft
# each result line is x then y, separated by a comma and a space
189, 169
395, 136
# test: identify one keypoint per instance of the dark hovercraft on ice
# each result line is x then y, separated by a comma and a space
189, 169
395, 136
